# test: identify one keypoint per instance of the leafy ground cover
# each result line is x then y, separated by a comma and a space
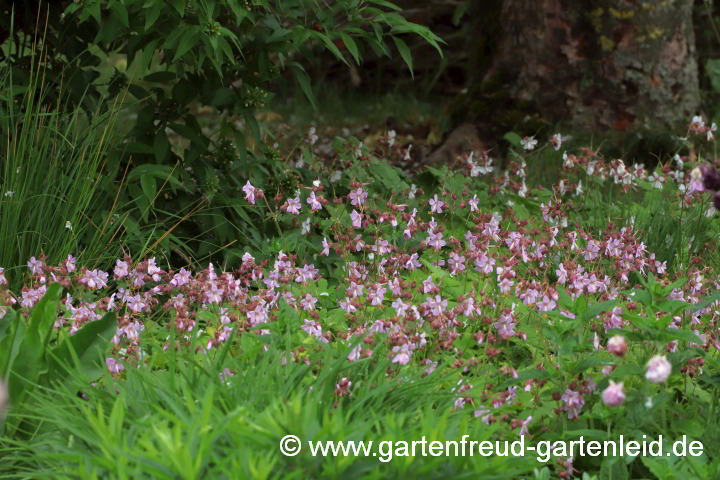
391, 304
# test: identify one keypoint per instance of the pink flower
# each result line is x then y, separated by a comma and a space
214, 294
135, 303
358, 197
614, 394
35, 265
181, 278
70, 263
436, 205
484, 413
400, 307
257, 316
435, 240
3, 280
376, 294
431, 366
121, 269
314, 203
524, 429
574, 402
659, 369
114, 366
293, 206
546, 305
402, 354
617, 346
347, 306
308, 303
356, 219
95, 279
326, 247
354, 354
249, 192
473, 203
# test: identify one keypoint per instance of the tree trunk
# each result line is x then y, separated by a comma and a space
608, 64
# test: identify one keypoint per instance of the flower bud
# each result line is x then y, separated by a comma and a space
617, 346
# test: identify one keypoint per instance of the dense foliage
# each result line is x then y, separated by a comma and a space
230, 56
481, 303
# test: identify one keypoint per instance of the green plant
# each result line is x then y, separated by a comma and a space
29, 356
51, 176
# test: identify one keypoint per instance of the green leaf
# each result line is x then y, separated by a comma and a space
120, 12
81, 349
147, 182
404, 53
590, 362
160, 77
330, 46
187, 42
161, 146
240, 210
304, 82
712, 298
12, 338
351, 46
513, 138
387, 4
152, 14
163, 172
597, 308
31, 359
179, 5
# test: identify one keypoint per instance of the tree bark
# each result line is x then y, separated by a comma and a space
608, 64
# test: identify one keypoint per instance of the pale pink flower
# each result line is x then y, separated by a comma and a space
250, 192
70, 263
315, 205
528, 143
356, 219
95, 279
524, 429
35, 265
400, 307
659, 369
574, 402
473, 203
546, 304
402, 354
293, 206
114, 366
121, 269
358, 197
214, 294
308, 303
436, 205
614, 394
347, 306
